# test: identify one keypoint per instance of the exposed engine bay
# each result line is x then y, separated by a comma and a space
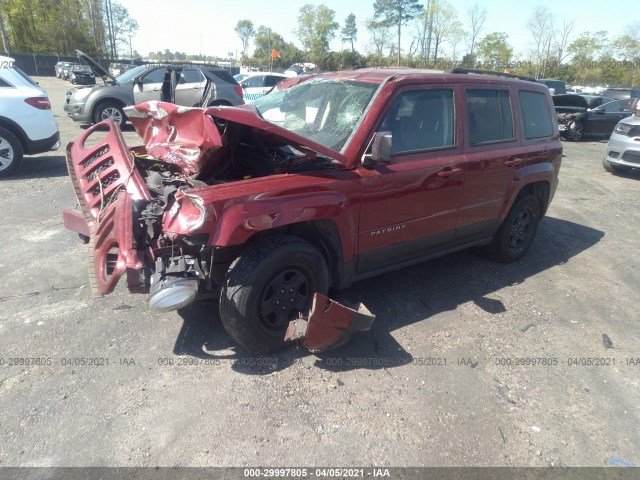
569, 124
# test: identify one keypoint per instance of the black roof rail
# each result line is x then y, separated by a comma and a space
491, 72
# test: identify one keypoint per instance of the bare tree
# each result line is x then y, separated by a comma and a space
477, 16
561, 40
540, 25
380, 37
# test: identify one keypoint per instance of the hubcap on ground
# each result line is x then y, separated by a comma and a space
520, 229
6, 153
284, 298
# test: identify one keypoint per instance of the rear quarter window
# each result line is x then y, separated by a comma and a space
536, 117
4, 84
224, 75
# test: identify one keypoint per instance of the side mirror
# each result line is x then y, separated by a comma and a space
137, 81
379, 150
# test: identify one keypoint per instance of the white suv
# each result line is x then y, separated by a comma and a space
27, 125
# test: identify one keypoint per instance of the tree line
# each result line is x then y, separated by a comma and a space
438, 36
97, 27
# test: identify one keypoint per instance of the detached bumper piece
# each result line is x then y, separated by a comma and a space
329, 325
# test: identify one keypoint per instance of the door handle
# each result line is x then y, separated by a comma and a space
449, 172
514, 162
156, 89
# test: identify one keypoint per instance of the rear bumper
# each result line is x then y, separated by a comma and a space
44, 145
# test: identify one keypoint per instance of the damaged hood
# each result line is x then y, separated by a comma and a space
270, 133
96, 68
570, 100
190, 139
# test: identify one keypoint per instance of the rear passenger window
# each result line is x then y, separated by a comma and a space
3, 83
535, 114
420, 120
490, 116
191, 76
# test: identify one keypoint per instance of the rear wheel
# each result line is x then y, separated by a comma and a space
516, 233
11, 152
110, 110
270, 284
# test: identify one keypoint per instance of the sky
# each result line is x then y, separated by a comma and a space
207, 27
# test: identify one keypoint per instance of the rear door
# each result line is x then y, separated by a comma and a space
150, 86
190, 87
609, 114
491, 148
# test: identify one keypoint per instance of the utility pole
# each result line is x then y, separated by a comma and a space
270, 53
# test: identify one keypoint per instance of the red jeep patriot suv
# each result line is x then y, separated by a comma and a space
328, 180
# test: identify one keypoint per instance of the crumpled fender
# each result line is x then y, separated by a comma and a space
329, 325
183, 136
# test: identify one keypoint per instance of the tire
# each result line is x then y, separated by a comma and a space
514, 237
110, 110
609, 167
11, 152
278, 268
577, 132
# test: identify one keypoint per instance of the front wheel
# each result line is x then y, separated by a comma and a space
576, 131
516, 233
271, 283
10, 152
112, 111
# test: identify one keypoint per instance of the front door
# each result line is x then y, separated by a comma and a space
411, 204
150, 86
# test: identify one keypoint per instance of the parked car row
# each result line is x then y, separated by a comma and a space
192, 85
76, 73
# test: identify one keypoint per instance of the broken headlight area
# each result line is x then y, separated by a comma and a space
175, 282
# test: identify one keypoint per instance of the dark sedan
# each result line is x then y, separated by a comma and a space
82, 75
580, 115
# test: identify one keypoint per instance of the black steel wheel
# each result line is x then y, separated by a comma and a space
271, 283
514, 237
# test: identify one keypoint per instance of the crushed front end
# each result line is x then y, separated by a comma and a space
135, 210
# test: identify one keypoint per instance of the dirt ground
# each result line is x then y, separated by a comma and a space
469, 362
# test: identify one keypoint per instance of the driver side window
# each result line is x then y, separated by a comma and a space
154, 76
421, 120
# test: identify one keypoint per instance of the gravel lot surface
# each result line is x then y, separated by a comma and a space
424, 387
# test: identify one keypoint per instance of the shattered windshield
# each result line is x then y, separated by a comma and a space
324, 111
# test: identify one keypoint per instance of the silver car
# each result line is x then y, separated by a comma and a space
622, 153
191, 85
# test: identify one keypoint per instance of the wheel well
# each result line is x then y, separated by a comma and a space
541, 191
17, 131
323, 234
120, 103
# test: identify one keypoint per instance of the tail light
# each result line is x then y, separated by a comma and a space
39, 102
238, 90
